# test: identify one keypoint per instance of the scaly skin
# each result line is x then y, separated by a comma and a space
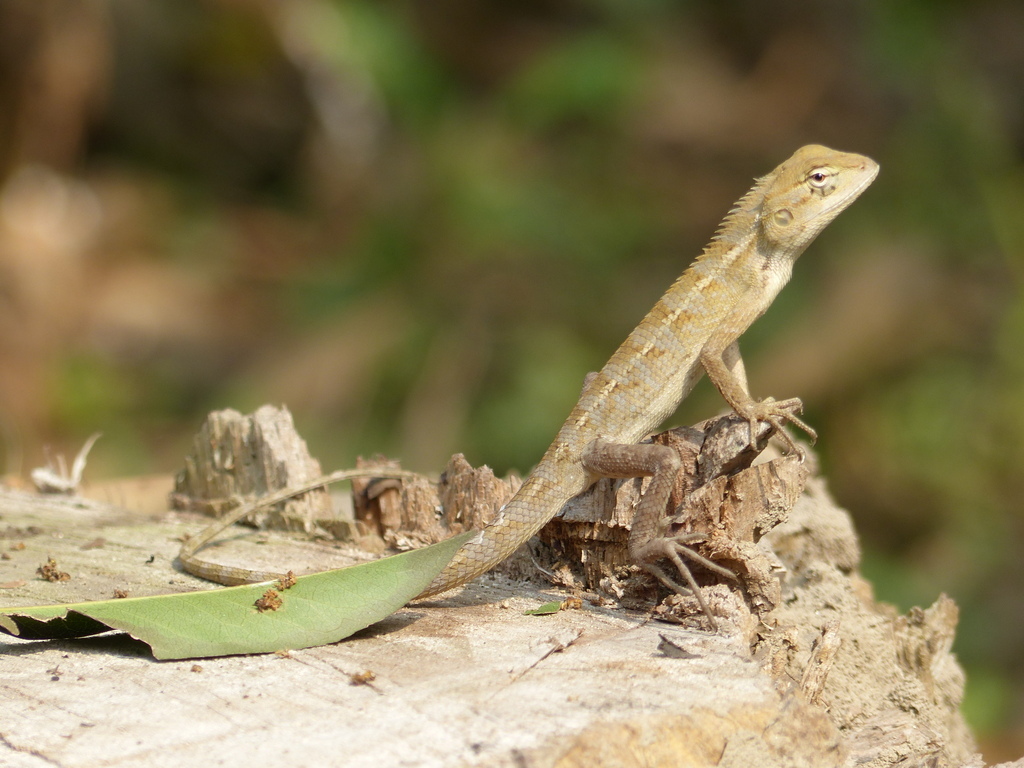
692, 329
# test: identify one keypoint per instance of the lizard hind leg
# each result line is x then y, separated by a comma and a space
648, 541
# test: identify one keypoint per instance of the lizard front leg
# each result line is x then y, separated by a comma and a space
725, 369
649, 541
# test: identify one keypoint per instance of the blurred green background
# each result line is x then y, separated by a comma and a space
419, 224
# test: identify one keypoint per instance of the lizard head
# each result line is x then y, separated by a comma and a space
807, 191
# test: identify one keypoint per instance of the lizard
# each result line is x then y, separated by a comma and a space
691, 331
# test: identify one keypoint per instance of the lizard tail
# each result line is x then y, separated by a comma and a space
538, 500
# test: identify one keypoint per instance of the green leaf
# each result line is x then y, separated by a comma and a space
320, 608
545, 610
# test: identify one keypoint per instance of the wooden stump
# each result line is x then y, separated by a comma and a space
236, 458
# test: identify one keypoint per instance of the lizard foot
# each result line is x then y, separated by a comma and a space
671, 547
777, 413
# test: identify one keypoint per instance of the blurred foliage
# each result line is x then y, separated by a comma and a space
419, 224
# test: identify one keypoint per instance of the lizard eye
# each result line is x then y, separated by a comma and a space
818, 177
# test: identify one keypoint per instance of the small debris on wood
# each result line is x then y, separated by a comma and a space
545, 610
270, 601
544, 648
121, 594
14, 532
362, 678
97, 543
569, 604
287, 581
55, 478
50, 572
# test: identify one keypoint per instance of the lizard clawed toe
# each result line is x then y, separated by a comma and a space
790, 410
777, 413
681, 542
671, 547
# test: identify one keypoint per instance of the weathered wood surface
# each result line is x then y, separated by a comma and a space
470, 680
